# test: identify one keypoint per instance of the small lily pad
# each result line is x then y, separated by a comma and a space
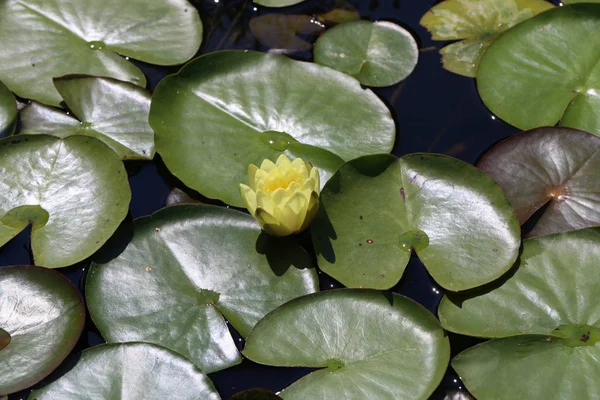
42, 316
377, 209
74, 192
112, 111
376, 53
196, 264
544, 321
43, 39
280, 32
476, 23
541, 72
130, 371
231, 109
8, 111
367, 344
277, 3
558, 166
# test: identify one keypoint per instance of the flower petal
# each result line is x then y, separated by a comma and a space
249, 197
252, 169
311, 212
270, 224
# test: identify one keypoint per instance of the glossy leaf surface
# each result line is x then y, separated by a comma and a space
549, 298
43, 39
541, 72
368, 344
549, 165
112, 111
377, 209
42, 315
8, 111
232, 108
476, 23
73, 191
130, 371
376, 53
196, 264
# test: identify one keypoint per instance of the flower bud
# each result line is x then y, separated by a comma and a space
282, 196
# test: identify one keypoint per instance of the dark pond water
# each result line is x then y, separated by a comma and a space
435, 111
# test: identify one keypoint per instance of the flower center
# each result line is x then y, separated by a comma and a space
280, 181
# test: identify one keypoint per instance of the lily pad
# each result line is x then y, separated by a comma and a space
280, 32
8, 111
234, 108
377, 209
74, 192
196, 264
541, 72
255, 394
558, 166
367, 344
130, 371
112, 111
545, 321
476, 23
376, 53
277, 3
42, 316
43, 39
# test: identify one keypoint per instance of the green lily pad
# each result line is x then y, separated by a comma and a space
196, 264
541, 72
74, 192
255, 394
280, 32
130, 371
43, 39
234, 108
377, 209
545, 321
476, 23
8, 111
368, 344
549, 165
112, 111
42, 316
277, 3
376, 53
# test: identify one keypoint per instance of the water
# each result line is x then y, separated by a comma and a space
435, 111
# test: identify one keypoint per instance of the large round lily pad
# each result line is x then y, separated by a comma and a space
476, 24
546, 321
549, 165
368, 344
74, 192
194, 264
112, 111
232, 108
43, 39
130, 371
8, 111
377, 209
41, 318
376, 53
541, 71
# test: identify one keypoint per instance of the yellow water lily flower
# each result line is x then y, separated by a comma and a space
282, 196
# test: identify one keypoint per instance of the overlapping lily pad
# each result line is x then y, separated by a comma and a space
476, 23
130, 371
541, 72
41, 318
376, 53
74, 192
545, 320
230, 109
8, 111
377, 209
112, 111
43, 39
558, 166
187, 267
368, 344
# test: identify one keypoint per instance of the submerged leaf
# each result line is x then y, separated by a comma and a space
280, 32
